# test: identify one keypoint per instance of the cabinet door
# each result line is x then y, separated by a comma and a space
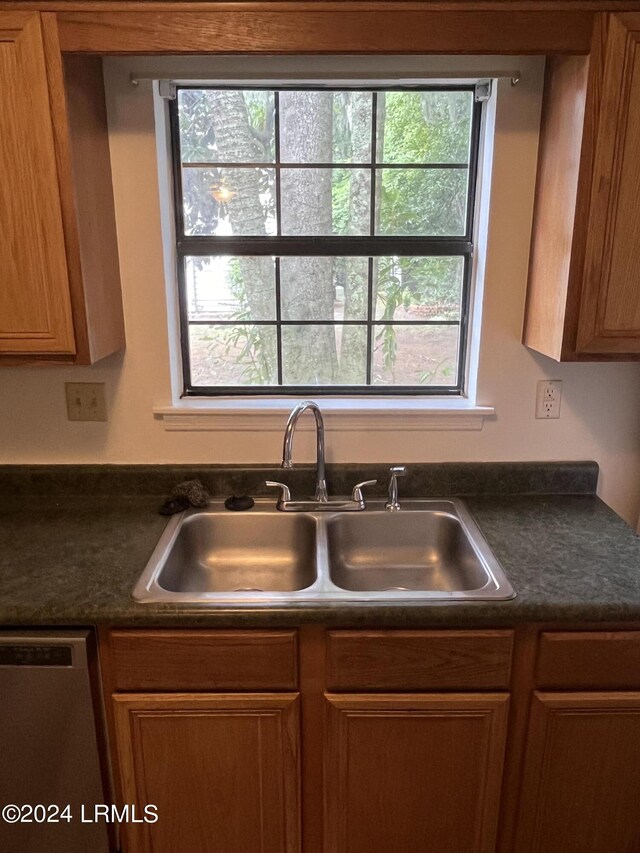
610, 310
35, 307
221, 769
414, 772
581, 775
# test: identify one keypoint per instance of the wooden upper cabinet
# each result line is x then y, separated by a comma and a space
584, 284
35, 312
60, 290
610, 319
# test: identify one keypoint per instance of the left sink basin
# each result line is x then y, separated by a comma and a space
231, 554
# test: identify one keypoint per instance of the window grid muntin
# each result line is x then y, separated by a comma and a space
278, 319
295, 245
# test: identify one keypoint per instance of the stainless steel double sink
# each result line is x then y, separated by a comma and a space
430, 549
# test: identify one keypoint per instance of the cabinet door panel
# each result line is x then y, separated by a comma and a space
221, 769
610, 314
35, 308
581, 774
414, 772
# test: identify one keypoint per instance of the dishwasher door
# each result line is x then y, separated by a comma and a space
48, 744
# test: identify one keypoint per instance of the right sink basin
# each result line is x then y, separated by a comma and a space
431, 547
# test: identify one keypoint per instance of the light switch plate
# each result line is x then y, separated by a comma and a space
86, 401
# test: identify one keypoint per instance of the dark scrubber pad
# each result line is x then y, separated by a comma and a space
193, 491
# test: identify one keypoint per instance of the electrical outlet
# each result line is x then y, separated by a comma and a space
86, 401
548, 398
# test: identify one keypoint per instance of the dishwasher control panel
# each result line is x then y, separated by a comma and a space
26, 654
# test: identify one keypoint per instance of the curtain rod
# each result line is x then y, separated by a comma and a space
322, 79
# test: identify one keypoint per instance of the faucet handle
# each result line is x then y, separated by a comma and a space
356, 494
398, 470
285, 494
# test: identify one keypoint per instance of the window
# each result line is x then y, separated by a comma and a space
324, 238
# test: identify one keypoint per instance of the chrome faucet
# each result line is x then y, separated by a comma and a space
393, 504
301, 408
321, 502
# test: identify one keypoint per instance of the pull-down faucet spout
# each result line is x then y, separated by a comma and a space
321, 483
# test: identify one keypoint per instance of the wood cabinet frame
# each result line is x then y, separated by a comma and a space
325, 26
530, 671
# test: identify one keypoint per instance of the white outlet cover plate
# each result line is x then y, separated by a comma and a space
548, 399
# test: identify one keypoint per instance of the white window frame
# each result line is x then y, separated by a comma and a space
462, 412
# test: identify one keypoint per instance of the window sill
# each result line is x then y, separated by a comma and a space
341, 414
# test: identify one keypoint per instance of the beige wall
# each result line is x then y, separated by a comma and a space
601, 404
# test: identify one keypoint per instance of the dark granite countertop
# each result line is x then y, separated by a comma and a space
69, 557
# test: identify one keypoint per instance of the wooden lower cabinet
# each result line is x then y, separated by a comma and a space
223, 771
376, 771
581, 784
419, 772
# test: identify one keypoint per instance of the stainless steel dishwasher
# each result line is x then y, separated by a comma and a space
48, 744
